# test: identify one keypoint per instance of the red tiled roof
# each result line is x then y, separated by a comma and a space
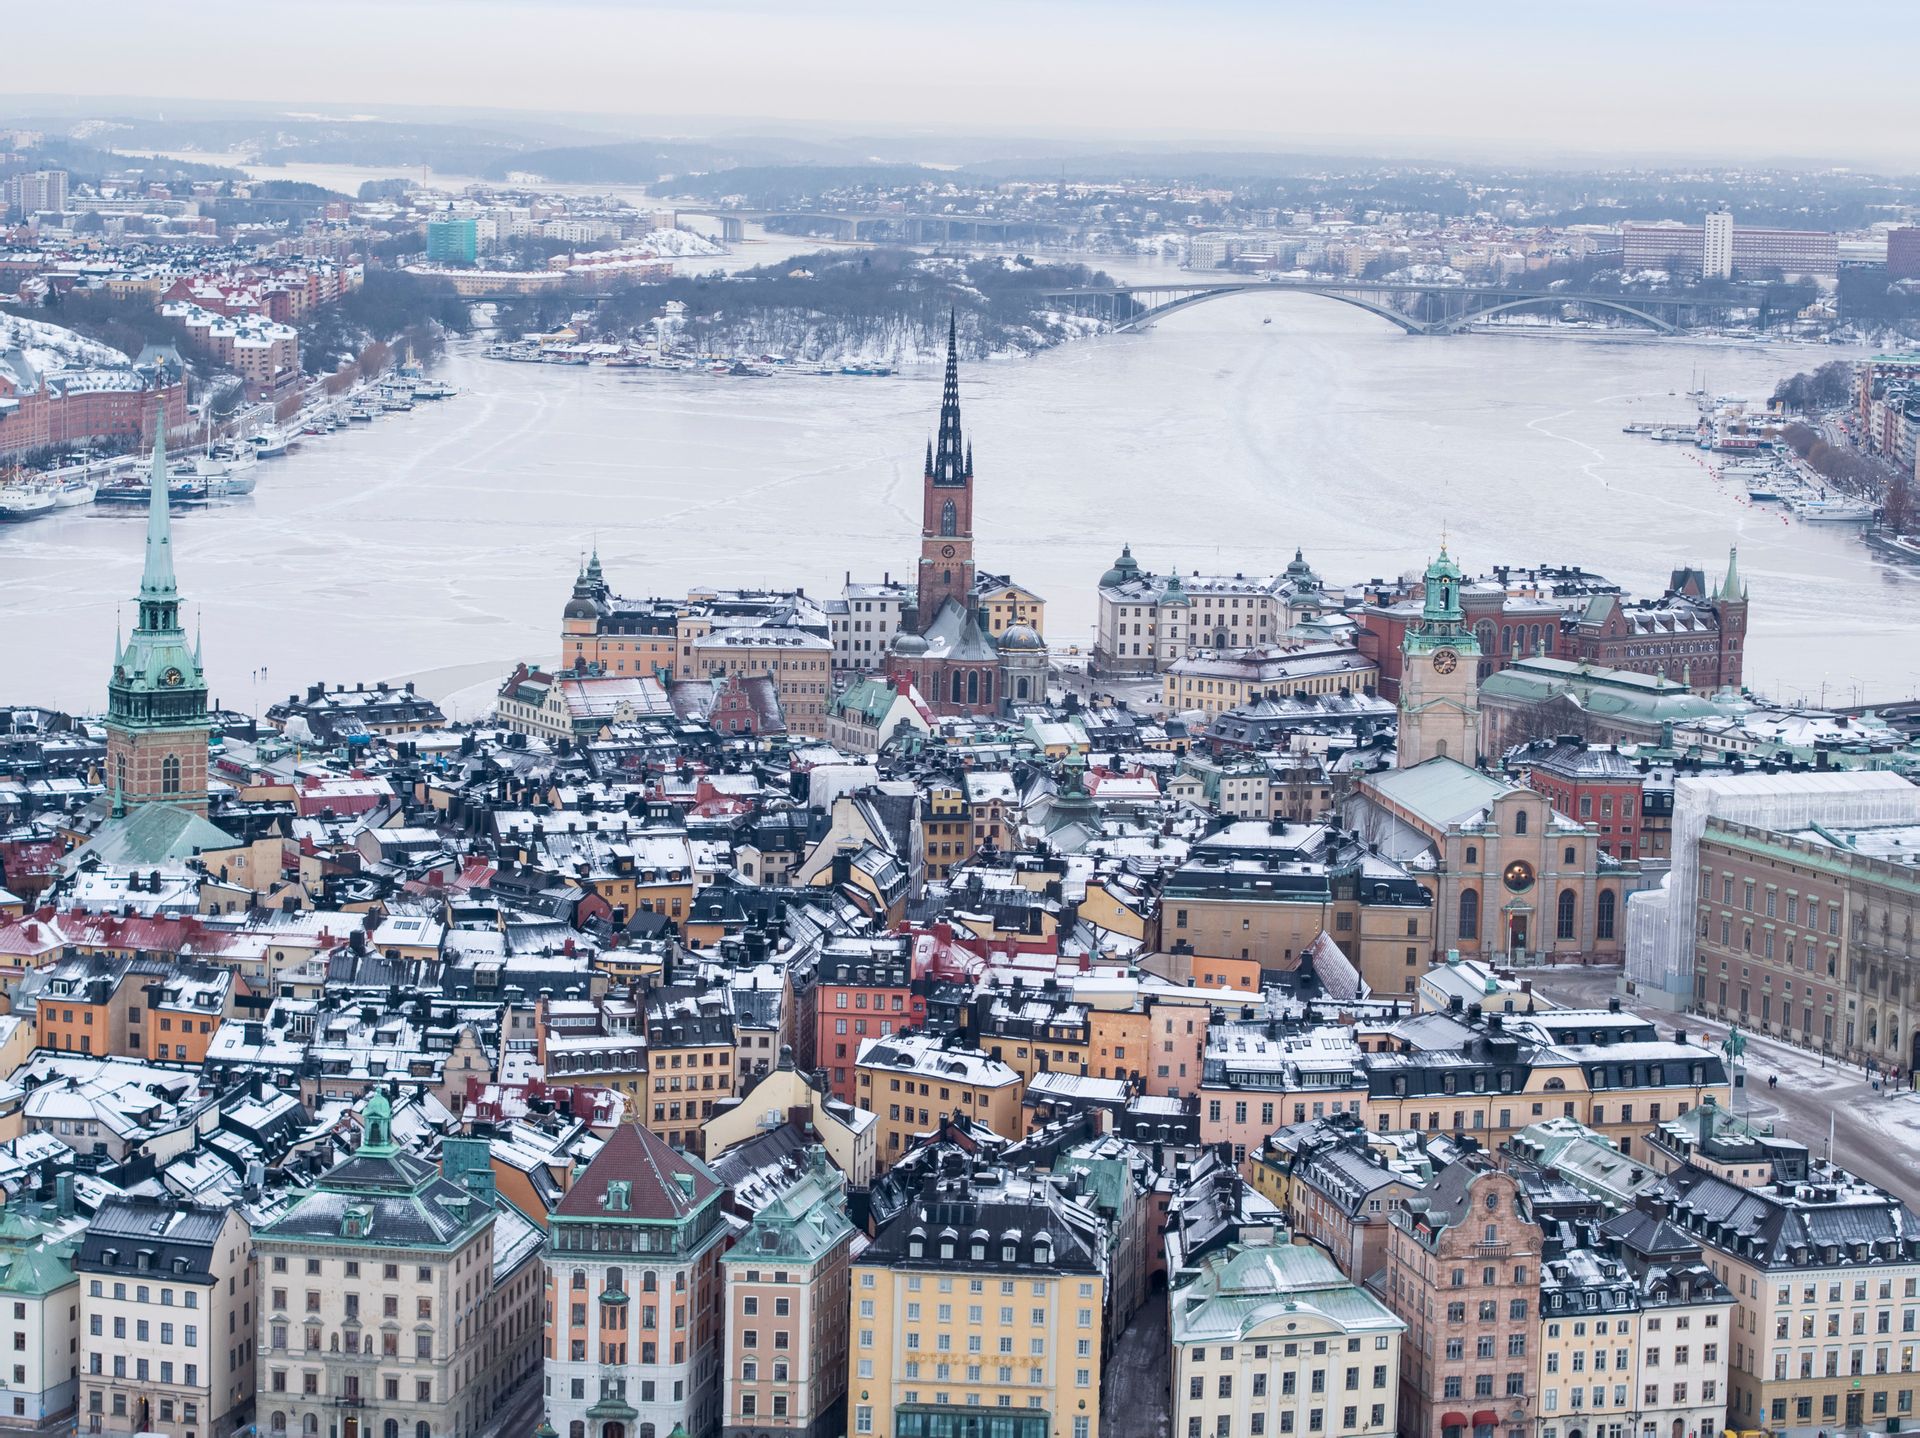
653, 1169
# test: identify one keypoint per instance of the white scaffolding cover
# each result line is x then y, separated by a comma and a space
1660, 925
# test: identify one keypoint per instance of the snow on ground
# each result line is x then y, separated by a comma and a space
49, 348
1892, 1112
679, 244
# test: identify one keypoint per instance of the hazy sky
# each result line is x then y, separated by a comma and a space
1697, 77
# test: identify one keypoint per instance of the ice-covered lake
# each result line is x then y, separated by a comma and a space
442, 543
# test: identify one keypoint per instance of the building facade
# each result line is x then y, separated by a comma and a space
634, 1300
167, 1298
379, 1311
787, 1304
1271, 1338
1463, 1272
977, 1314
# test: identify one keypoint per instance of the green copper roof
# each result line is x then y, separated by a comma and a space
153, 836
1442, 791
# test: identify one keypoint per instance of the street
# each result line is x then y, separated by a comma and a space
1876, 1135
1134, 1396
519, 1411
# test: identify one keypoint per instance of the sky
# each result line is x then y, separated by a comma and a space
1725, 79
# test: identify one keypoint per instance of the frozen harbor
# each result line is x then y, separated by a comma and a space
441, 544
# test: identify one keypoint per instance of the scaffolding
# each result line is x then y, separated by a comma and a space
1661, 926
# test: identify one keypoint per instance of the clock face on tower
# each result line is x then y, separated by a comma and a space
946, 551
172, 678
1445, 661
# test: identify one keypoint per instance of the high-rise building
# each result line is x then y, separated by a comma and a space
31, 193
1903, 253
157, 722
1717, 250
453, 242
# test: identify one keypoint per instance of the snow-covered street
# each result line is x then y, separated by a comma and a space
1876, 1134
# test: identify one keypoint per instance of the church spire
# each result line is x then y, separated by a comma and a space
157, 585
1732, 589
950, 456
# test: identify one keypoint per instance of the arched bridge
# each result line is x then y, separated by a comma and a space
1419, 309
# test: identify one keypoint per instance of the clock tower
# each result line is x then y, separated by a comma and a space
946, 529
157, 722
1439, 675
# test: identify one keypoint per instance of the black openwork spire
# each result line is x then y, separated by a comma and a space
950, 461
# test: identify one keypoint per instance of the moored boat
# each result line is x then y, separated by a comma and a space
21, 502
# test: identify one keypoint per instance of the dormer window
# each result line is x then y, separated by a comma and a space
619, 1196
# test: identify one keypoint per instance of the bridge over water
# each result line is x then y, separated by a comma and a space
911, 228
1419, 309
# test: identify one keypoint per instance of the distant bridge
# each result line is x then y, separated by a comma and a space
906, 227
1419, 309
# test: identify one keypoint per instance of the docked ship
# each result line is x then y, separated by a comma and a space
21, 502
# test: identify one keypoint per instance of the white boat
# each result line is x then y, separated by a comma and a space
270, 443
21, 502
1833, 511
434, 389
74, 492
231, 484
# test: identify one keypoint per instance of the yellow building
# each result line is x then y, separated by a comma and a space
911, 1082
946, 825
1006, 603
1214, 681
977, 1314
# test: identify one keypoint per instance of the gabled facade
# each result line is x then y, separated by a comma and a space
634, 1295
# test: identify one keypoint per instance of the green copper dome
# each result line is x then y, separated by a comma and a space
1124, 568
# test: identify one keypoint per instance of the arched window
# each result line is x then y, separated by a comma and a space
1020, 687
1520, 821
1469, 913
986, 688
170, 774
390, 1428
648, 1283
310, 1424
1564, 920
949, 520
1506, 639
1603, 917
973, 686
1473, 854
956, 686
277, 1423
120, 771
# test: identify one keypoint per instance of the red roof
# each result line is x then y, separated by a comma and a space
653, 1171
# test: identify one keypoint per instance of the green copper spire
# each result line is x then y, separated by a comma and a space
1732, 588
157, 586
